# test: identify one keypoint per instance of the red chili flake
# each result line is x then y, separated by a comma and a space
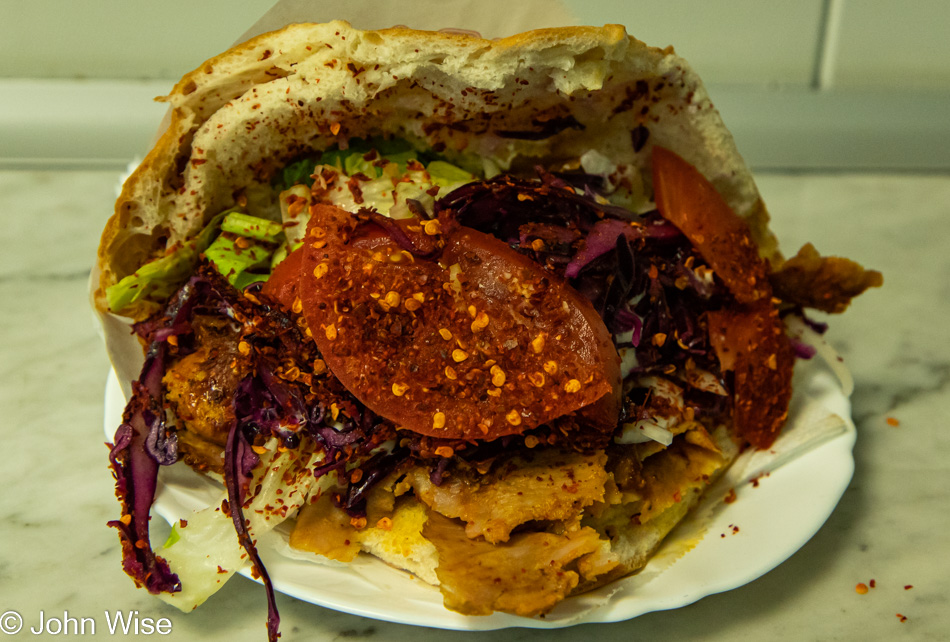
221, 570
861, 588
908, 587
902, 618
690, 202
872, 584
183, 522
750, 342
892, 421
730, 496
450, 408
735, 529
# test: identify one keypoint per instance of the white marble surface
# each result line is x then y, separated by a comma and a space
893, 524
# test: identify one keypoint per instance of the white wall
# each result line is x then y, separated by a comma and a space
873, 43
127, 39
803, 84
726, 41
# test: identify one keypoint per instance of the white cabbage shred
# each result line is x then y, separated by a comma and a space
204, 551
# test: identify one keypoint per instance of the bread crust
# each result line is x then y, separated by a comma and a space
239, 116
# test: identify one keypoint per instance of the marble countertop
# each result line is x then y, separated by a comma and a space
892, 525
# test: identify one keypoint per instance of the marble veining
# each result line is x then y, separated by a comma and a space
892, 525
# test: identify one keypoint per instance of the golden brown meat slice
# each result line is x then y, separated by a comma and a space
200, 386
527, 575
826, 283
546, 485
667, 476
325, 529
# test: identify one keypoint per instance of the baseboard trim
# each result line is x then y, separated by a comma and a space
103, 123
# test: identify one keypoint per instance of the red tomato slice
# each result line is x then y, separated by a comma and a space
690, 202
751, 341
282, 284
478, 344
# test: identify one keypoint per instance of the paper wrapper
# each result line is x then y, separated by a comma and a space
819, 413
490, 18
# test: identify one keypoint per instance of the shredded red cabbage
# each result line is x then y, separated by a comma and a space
818, 326
144, 442
239, 461
419, 244
803, 350
601, 240
374, 470
137, 453
640, 273
501, 205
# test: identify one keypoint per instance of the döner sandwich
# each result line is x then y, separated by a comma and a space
495, 312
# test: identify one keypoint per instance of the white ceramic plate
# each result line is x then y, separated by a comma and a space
784, 495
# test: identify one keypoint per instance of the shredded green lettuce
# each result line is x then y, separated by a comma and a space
446, 174
173, 537
386, 184
237, 258
244, 251
296, 173
279, 255
350, 161
252, 227
158, 279
239, 261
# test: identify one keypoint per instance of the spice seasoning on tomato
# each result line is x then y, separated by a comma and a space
465, 360
751, 342
690, 202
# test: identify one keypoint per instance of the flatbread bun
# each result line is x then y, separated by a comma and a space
242, 115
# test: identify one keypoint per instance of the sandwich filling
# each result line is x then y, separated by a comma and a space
511, 385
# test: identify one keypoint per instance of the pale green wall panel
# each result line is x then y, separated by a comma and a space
884, 44
117, 38
726, 41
